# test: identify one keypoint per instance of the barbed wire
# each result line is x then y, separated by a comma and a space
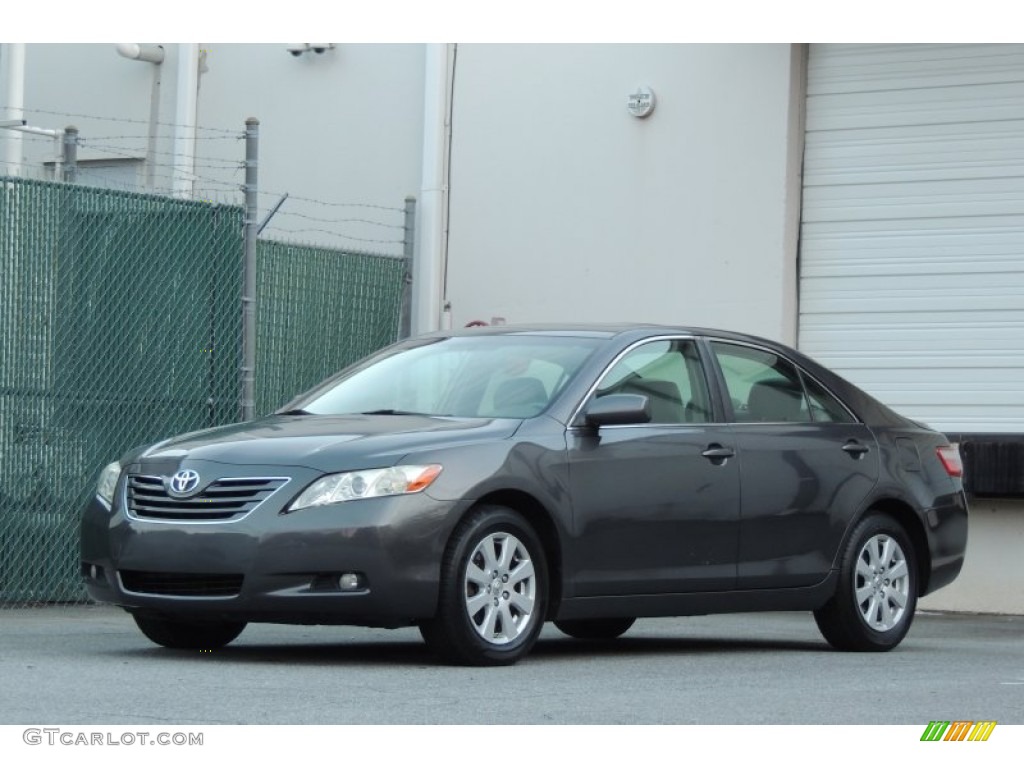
213, 162
237, 168
149, 136
163, 178
92, 142
307, 217
332, 233
329, 204
236, 133
37, 137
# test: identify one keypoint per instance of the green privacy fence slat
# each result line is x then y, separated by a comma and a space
319, 310
120, 324
109, 302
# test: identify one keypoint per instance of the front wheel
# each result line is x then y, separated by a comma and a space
193, 635
493, 594
874, 603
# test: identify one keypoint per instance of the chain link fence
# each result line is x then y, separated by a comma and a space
319, 310
122, 325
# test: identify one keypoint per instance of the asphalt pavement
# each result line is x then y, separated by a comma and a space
90, 665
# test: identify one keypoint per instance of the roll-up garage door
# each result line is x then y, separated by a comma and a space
912, 235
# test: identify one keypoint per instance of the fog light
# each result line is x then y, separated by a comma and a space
349, 581
92, 571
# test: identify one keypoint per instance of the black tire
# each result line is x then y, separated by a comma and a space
866, 613
190, 635
509, 609
595, 629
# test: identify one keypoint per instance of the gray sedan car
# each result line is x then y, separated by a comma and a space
479, 483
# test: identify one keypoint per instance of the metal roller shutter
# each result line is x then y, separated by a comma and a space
912, 234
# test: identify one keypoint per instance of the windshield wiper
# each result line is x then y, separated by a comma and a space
393, 412
294, 412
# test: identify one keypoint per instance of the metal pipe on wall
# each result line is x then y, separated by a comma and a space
185, 118
428, 263
13, 60
154, 54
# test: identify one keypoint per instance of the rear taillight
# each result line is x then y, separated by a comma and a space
949, 455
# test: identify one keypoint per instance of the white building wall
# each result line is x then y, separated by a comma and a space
66, 83
342, 126
565, 207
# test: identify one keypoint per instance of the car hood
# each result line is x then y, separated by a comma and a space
327, 443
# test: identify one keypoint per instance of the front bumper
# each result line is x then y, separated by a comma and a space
273, 566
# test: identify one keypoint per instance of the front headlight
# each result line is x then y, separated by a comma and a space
108, 482
367, 483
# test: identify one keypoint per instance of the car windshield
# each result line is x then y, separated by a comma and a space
505, 376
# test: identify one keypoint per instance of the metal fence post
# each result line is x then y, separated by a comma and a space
248, 370
408, 243
70, 154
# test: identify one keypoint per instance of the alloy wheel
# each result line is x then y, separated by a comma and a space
500, 588
881, 582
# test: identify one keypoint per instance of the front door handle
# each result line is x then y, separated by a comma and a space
718, 453
855, 449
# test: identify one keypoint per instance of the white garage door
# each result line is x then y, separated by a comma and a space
912, 241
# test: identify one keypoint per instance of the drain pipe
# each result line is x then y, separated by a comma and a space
14, 62
431, 235
187, 93
154, 54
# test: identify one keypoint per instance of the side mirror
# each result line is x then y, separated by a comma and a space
618, 409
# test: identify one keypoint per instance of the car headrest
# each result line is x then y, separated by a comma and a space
774, 401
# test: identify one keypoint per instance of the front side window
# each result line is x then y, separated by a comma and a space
669, 374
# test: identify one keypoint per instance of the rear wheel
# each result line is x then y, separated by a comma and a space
194, 635
493, 595
595, 629
874, 603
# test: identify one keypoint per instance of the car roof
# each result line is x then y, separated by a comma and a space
597, 330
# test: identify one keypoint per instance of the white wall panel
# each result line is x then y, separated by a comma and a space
912, 236
564, 207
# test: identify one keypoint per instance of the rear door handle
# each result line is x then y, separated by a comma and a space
855, 449
718, 453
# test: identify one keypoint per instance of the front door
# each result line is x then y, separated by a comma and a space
656, 505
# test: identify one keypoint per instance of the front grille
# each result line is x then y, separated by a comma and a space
182, 584
229, 498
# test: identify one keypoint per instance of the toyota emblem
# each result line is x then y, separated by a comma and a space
184, 482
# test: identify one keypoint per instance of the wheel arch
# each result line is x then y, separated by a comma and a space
543, 523
907, 517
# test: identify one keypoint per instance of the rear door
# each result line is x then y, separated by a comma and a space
806, 466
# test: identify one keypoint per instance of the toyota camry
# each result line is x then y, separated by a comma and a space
479, 483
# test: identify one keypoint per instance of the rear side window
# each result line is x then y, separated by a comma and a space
824, 406
762, 386
765, 387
